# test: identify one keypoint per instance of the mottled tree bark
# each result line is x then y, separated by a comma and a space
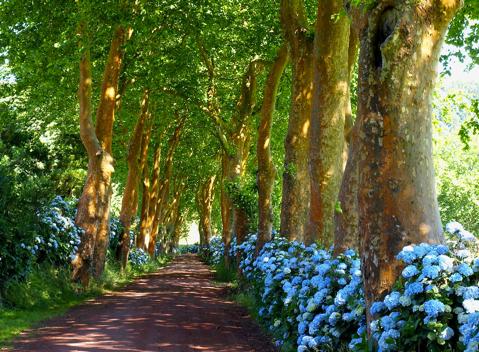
129, 204
266, 169
296, 193
330, 99
346, 222
400, 46
93, 211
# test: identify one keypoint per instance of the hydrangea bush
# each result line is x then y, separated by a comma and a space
216, 250
435, 303
60, 237
188, 248
312, 301
138, 257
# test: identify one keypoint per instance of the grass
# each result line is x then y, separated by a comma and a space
48, 292
225, 274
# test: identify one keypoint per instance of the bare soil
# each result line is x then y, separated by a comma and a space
178, 308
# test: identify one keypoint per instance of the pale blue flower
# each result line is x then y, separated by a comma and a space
434, 307
447, 333
453, 227
410, 271
471, 305
456, 277
464, 269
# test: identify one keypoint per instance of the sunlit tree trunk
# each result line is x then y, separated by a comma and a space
266, 169
93, 211
330, 99
346, 220
143, 235
296, 193
205, 197
173, 217
129, 204
153, 195
400, 47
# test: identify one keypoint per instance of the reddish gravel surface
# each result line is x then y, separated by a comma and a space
176, 309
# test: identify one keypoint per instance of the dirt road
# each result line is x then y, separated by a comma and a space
176, 309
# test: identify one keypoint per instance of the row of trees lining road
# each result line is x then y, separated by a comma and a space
314, 116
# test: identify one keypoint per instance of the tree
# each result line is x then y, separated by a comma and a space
400, 45
330, 101
204, 200
159, 202
266, 169
93, 213
129, 204
296, 197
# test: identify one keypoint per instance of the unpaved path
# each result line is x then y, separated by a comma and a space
176, 309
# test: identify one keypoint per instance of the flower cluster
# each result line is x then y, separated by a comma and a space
311, 300
116, 231
61, 237
308, 298
138, 257
434, 304
216, 250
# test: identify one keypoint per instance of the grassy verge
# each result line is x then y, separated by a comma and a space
48, 292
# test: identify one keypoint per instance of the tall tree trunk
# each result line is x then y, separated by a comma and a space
129, 204
330, 98
226, 205
346, 222
266, 169
400, 47
205, 199
173, 218
234, 159
93, 211
199, 209
296, 195
143, 235
164, 186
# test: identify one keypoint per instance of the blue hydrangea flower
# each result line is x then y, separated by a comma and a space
447, 333
464, 269
377, 307
434, 307
456, 277
410, 271
392, 300
414, 288
431, 272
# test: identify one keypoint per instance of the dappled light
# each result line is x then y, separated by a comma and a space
176, 309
